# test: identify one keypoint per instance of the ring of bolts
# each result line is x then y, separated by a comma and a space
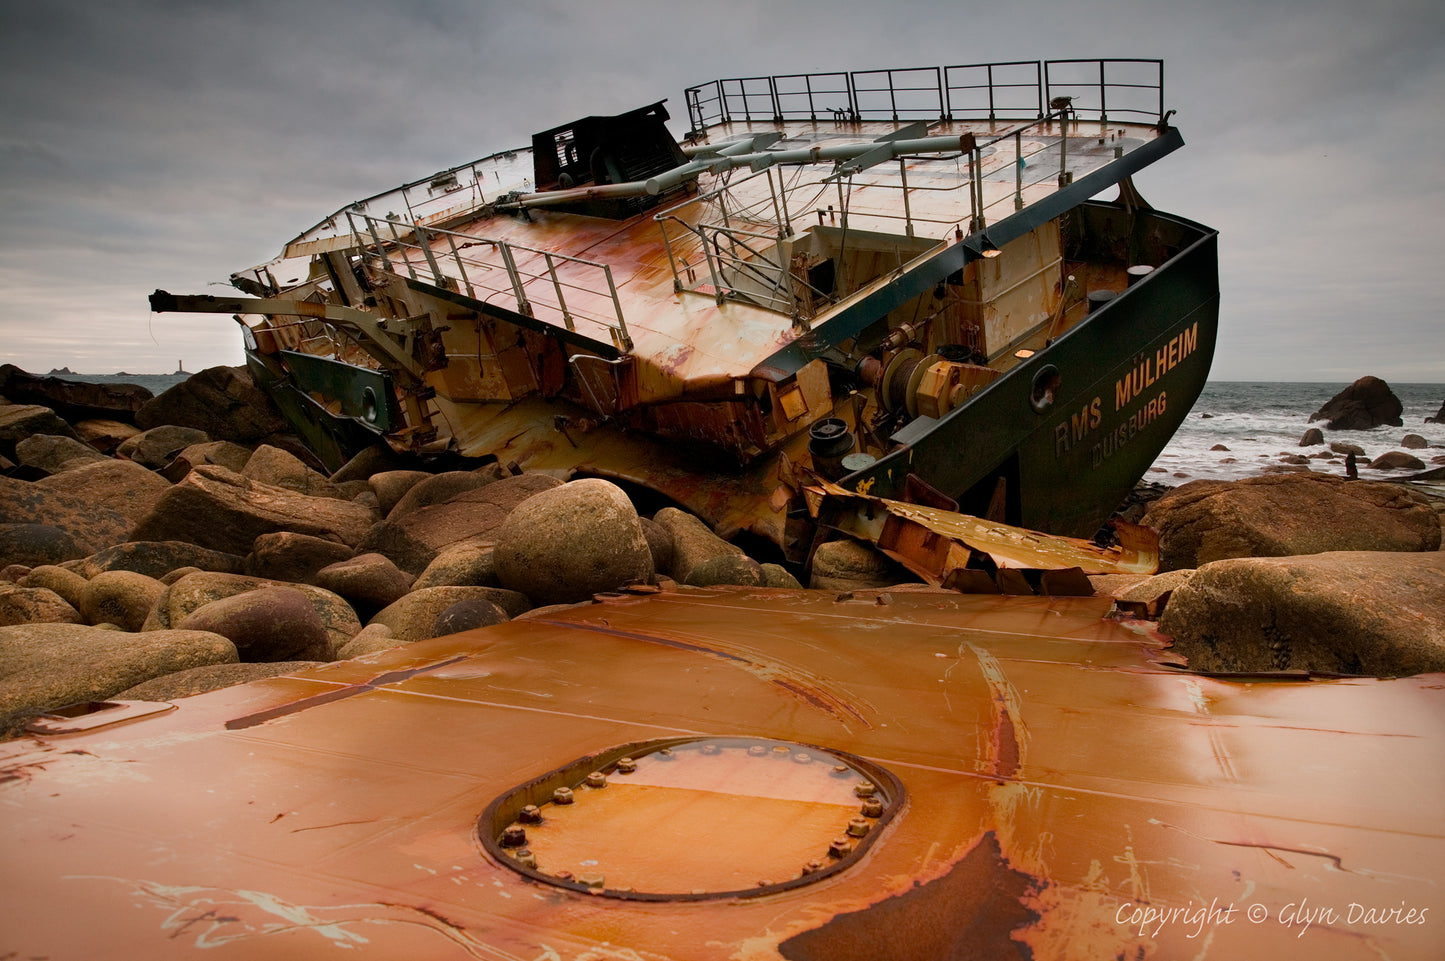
514, 837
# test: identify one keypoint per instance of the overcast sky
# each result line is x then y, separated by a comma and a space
167, 144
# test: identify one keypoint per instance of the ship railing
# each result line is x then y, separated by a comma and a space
1007, 90
540, 284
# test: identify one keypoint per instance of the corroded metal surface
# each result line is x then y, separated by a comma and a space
1068, 794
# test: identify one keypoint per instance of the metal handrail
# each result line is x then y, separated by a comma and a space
778, 98
519, 281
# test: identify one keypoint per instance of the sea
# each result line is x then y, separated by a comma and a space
1257, 422
1260, 422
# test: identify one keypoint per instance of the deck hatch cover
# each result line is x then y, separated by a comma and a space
690, 819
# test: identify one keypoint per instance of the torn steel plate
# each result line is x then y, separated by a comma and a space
1060, 793
949, 549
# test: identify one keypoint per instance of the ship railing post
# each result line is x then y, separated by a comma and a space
461, 267
425, 243
808, 86
376, 239
1018, 169
712, 267
626, 343
1063, 147
523, 307
557, 286
1103, 99
907, 213
671, 260
780, 211
396, 239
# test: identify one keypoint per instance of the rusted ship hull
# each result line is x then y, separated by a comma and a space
1051, 788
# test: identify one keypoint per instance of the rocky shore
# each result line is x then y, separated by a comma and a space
157, 547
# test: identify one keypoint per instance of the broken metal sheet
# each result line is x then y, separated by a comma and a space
1064, 794
947, 548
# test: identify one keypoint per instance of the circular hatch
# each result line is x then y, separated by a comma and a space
693, 818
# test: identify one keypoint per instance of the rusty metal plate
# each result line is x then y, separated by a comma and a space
1067, 794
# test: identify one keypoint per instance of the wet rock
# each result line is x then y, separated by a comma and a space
1112, 585
466, 616
1312, 437
1351, 612
1215, 447
570, 542
68, 584
1281, 515
413, 540
35, 605
159, 558
194, 591
369, 581
72, 399
104, 435
466, 564
123, 598
284, 556
391, 486
1414, 442
699, 555
271, 465
1341, 447
1293, 459
122, 486
53, 453
414, 617
223, 510
372, 639
221, 452
266, 624
1397, 460
776, 575
659, 542
211, 677
1366, 403
19, 421
376, 459
440, 488
847, 565
155, 447
222, 401
44, 666
36, 544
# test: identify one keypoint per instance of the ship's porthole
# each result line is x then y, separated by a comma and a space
691, 819
1046, 387
369, 407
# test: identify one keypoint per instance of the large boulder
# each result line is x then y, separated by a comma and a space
122, 598
391, 486
414, 617
1287, 514
573, 541
700, 557
119, 485
194, 591
284, 556
267, 624
368, 581
35, 605
68, 584
19, 421
53, 453
470, 563
158, 558
222, 510
155, 447
44, 666
373, 639
92, 525
1352, 612
1397, 460
210, 677
279, 468
222, 401
1439, 417
72, 399
440, 488
414, 539
1366, 403
847, 565
104, 435
36, 544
